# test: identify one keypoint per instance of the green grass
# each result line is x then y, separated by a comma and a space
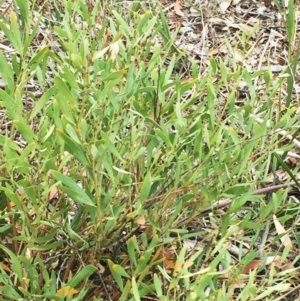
111, 163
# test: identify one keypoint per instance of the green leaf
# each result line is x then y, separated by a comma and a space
110, 146
72, 132
74, 148
164, 136
76, 60
187, 86
37, 240
13, 110
157, 285
143, 22
50, 246
211, 98
135, 289
117, 271
16, 64
64, 91
72, 234
115, 75
38, 58
16, 34
165, 28
122, 22
120, 270
25, 130
6, 72
72, 189
11, 144
41, 103
149, 29
275, 289
70, 78
120, 170
60, 32
180, 121
15, 266
291, 23
239, 201
23, 6
145, 189
29, 37
286, 168
29, 150
132, 246
11, 195
82, 275
142, 265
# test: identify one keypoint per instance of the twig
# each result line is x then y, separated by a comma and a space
226, 202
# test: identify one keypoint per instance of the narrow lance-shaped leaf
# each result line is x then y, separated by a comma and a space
23, 6
72, 189
135, 289
40, 104
16, 34
286, 168
6, 72
74, 148
84, 274
38, 58
25, 130
117, 272
145, 189
8, 102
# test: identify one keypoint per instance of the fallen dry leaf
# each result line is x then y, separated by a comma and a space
237, 284
286, 241
254, 264
169, 259
224, 4
140, 220
187, 264
66, 291
28, 254
114, 48
53, 193
275, 260
177, 8
169, 264
5, 267
292, 162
